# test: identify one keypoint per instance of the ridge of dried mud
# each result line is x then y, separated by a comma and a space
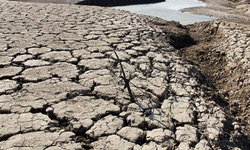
222, 53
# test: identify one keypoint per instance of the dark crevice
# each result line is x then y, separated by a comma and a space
40, 110
5, 137
75, 79
3, 111
82, 69
93, 87
59, 122
179, 41
99, 117
51, 115
6, 77
104, 97
125, 122
141, 141
176, 34
85, 144
219, 100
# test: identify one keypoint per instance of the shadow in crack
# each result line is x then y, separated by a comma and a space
116, 2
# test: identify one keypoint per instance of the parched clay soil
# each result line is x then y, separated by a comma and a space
87, 77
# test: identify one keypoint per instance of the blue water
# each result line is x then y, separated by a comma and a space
170, 10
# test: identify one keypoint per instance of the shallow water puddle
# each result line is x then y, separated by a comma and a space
170, 10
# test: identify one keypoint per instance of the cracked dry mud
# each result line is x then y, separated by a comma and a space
61, 83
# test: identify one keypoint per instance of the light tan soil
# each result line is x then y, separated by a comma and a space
220, 49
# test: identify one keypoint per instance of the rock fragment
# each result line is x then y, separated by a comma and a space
179, 89
98, 77
106, 91
124, 46
122, 56
136, 119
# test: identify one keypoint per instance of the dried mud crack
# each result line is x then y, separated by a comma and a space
85, 77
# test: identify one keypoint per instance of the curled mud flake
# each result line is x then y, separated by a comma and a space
13, 124
187, 134
33, 140
106, 126
5, 60
9, 71
95, 64
132, 134
8, 86
113, 142
36, 63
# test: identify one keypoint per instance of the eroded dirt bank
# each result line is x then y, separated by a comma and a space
221, 50
65, 76
222, 53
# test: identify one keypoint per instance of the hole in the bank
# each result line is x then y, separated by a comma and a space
181, 41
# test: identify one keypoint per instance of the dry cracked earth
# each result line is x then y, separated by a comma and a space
84, 77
